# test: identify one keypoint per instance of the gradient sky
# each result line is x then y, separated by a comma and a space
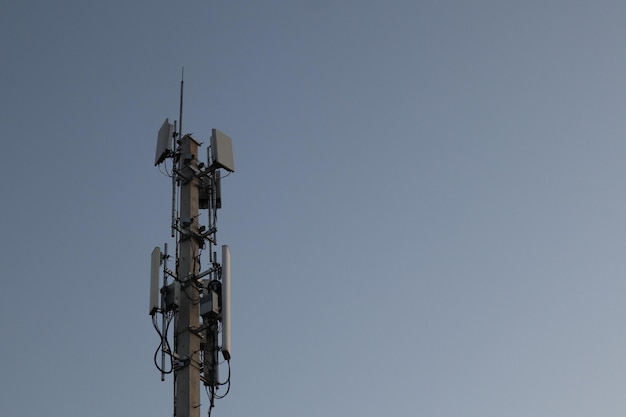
428, 216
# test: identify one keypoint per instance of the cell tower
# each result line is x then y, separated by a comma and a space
196, 300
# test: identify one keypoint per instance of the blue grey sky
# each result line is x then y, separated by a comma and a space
428, 216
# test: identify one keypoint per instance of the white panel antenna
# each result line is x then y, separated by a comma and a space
222, 151
155, 265
226, 302
164, 142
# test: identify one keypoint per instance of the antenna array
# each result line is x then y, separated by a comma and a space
197, 301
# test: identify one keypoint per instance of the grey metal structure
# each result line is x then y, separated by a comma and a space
196, 301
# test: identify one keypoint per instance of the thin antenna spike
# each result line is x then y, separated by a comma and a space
174, 175
180, 116
180, 136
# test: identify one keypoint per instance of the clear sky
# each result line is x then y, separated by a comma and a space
428, 216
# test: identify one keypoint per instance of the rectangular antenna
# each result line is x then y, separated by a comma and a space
222, 151
164, 142
155, 265
226, 302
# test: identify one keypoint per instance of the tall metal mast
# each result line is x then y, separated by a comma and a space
196, 301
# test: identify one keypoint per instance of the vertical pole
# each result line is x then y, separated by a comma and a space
187, 377
163, 312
